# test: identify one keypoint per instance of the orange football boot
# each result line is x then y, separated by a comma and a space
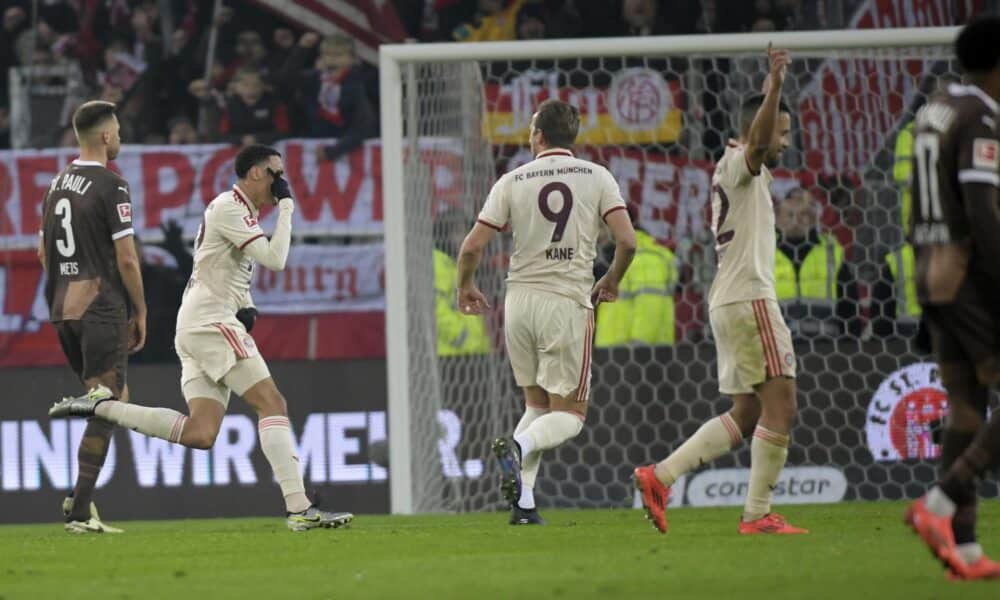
654, 496
771, 523
984, 568
936, 532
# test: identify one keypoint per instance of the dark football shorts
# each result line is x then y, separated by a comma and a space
94, 349
967, 331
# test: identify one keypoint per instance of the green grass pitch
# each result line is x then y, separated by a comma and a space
856, 551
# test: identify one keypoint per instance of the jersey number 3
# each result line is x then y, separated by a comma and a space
64, 209
560, 218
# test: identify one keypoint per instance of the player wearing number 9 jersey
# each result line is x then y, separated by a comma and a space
93, 284
555, 206
754, 348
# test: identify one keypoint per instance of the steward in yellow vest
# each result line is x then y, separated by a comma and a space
809, 272
457, 334
902, 173
644, 311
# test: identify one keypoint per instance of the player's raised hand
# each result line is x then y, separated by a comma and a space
605, 290
471, 301
136, 334
778, 60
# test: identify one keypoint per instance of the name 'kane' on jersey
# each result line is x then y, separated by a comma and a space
85, 210
555, 205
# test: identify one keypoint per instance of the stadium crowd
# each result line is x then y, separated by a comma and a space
270, 80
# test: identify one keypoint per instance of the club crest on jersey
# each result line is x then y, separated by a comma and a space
125, 212
251, 222
249, 344
985, 154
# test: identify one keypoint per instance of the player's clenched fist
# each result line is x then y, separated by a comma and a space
471, 301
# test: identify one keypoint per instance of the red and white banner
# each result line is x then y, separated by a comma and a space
854, 103
176, 182
323, 279
369, 22
337, 289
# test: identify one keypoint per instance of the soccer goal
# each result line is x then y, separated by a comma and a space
657, 112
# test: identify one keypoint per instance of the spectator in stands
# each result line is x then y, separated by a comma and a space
494, 21
457, 333
121, 70
335, 93
811, 277
531, 22
180, 130
248, 116
644, 312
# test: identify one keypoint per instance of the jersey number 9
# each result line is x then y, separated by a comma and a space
560, 218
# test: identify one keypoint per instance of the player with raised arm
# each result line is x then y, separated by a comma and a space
554, 206
93, 286
754, 347
213, 341
956, 234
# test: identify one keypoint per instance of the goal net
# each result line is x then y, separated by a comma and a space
658, 113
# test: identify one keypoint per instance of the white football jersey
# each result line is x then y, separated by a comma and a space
220, 281
743, 227
554, 205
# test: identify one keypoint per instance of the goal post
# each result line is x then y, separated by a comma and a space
449, 128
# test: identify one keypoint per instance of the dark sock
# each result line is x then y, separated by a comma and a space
964, 522
981, 455
93, 451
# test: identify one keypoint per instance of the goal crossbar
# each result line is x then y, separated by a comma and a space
396, 61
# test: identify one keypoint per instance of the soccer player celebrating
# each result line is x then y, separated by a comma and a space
754, 346
93, 286
213, 341
554, 206
955, 227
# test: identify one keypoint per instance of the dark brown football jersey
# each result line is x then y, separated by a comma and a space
955, 226
86, 209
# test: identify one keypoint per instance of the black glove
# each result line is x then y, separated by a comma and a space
279, 187
247, 316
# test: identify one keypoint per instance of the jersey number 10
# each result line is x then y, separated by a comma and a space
926, 151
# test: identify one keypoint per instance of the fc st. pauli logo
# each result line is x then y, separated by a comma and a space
898, 424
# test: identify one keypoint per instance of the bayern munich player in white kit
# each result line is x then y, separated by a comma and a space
213, 341
555, 206
756, 360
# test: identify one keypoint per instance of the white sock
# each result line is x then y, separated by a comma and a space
970, 552
768, 452
939, 503
527, 499
276, 441
548, 431
712, 440
531, 462
164, 423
